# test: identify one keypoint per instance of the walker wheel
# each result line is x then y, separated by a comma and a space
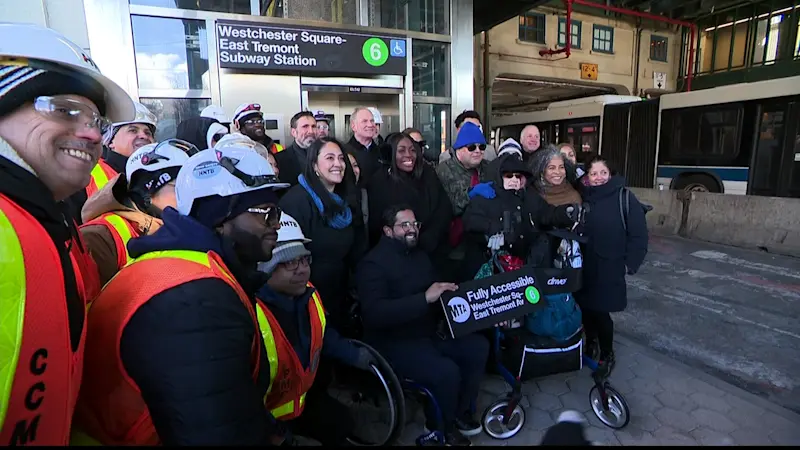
493, 420
615, 414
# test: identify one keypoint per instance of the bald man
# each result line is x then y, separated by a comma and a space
531, 140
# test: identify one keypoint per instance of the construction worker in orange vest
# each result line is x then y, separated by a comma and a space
249, 120
121, 139
174, 355
285, 305
53, 108
130, 204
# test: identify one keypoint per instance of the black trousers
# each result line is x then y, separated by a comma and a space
451, 369
324, 418
598, 325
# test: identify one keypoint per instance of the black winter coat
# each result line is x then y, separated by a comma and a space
291, 162
391, 281
369, 159
425, 195
610, 251
335, 252
189, 350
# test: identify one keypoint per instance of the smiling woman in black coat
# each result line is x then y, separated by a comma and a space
614, 249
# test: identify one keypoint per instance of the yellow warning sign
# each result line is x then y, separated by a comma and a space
588, 71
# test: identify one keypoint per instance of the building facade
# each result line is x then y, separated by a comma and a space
410, 59
608, 55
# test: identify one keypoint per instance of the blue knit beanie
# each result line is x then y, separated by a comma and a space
469, 134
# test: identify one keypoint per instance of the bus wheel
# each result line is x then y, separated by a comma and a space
697, 183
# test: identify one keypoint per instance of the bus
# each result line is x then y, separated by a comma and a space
738, 139
579, 122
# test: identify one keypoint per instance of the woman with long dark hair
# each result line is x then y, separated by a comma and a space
326, 205
406, 179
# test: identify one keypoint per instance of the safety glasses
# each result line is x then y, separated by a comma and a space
71, 112
272, 215
252, 181
304, 261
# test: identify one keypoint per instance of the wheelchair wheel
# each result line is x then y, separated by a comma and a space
494, 416
375, 400
612, 410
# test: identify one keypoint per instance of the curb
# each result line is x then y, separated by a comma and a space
710, 379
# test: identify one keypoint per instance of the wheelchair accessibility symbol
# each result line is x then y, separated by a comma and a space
459, 309
397, 47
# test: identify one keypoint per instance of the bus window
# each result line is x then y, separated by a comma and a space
584, 136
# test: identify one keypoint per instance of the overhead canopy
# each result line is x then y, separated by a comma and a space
489, 13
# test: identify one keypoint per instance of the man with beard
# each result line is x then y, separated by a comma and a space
293, 159
398, 294
249, 120
174, 353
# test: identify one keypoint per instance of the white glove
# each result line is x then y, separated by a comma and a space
496, 242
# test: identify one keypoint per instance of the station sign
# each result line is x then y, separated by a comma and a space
485, 302
289, 48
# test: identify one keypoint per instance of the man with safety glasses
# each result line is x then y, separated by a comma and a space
249, 120
176, 356
130, 205
120, 140
458, 175
53, 108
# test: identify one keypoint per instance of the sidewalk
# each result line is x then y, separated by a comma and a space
670, 403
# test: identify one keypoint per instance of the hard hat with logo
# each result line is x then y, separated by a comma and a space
290, 231
33, 50
245, 110
172, 153
376, 115
143, 115
224, 171
320, 116
217, 113
240, 140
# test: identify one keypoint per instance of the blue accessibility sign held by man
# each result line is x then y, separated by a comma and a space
397, 48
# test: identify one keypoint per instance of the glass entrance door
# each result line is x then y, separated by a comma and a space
338, 104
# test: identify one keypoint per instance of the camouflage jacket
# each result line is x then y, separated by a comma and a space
456, 181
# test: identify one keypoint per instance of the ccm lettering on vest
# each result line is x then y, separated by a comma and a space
556, 281
25, 429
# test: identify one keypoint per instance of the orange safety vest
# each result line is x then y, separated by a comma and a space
121, 231
101, 174
289, 382
276, 148
111, 410
41, 375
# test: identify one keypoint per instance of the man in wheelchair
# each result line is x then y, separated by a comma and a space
398, 295
290, 300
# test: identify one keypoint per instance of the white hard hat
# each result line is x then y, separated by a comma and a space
240, 140
224, 170
32, 45
376, 114
213, 130
246, 109
143, 115
215, 112
290, 231
156, 157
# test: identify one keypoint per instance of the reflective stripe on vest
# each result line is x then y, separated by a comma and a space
276, 148
121, 231
111, 410
287, 410
102, 173
40, 374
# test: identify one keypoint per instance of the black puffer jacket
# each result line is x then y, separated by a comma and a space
188, 349
392, 280
487, 216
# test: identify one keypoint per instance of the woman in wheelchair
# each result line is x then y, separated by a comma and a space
297, 322
398, 295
